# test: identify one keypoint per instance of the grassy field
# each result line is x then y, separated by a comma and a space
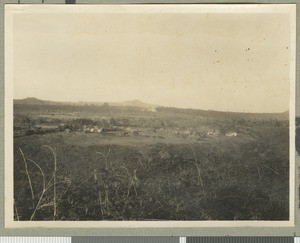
173, 164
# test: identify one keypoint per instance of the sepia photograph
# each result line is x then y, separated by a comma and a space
149, 115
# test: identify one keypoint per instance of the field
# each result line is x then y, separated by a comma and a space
90, 162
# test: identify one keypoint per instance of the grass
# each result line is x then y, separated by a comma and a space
160, 174
224, 181
45, 187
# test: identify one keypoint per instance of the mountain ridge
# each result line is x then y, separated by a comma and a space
128, 103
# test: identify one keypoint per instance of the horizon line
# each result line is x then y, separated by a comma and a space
156, 106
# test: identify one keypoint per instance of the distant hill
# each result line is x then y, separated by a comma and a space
129, 103
34, 101
154, 108
29, 101
135, 103
225, 114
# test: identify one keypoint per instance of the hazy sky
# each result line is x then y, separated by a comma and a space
231, 62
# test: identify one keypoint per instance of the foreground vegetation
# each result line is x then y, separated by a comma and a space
159, 175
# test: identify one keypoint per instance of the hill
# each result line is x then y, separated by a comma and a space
129, 103
154, 108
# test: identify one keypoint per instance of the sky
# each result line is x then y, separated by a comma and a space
212, 61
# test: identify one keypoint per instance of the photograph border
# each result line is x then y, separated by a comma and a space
141, 224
